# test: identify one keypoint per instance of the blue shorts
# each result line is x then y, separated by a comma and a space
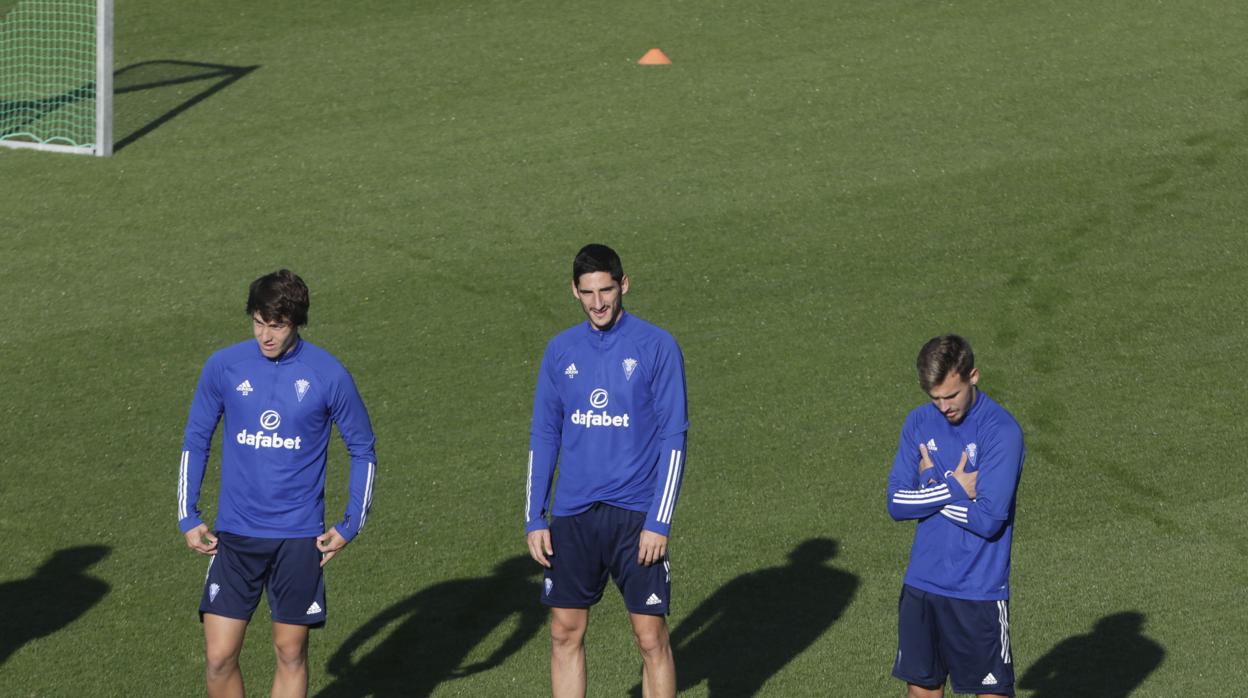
600, 541
289, 568
966, 641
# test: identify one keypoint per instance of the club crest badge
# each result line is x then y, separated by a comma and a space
630, 365
550, 584
301, 388
971, 451
213, 590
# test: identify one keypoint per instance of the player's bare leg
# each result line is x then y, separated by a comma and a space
223, 642
913, 691
567, 652
290, 643
658, 672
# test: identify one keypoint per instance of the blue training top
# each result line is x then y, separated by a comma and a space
278, 417
961, 545
610, 410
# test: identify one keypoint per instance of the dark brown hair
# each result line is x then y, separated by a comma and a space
279, 297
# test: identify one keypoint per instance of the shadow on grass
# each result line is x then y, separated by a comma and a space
1110, 662
148, 95
755, 624
57, 594
434, 631
145, 96
16, 116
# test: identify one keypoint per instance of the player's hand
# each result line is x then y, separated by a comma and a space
652, 548
926, 464
967, 480
329, 543
201, 540
539, 546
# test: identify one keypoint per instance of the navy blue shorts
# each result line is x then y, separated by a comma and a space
967, 641
602, 541
289, 568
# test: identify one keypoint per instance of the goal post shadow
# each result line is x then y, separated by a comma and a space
149, 94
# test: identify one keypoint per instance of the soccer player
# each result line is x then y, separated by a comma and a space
610, 410
279, 396
956, 472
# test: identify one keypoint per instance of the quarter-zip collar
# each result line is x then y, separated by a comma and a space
605, 339
290, 355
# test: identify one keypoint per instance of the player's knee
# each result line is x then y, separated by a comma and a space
566, 634
291, 655
652, 641
219, 664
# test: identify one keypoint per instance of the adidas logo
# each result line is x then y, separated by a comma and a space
654, 600
245, 388
570, 371
315, 608
989, 680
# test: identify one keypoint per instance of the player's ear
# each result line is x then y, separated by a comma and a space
624, 284
974, 377
575, 292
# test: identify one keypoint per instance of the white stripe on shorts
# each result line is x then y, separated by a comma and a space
1003, 616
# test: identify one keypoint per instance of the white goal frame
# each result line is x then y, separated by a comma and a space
103, 146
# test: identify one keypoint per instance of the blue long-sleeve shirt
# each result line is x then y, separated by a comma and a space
277, 417
961, 545
610, 410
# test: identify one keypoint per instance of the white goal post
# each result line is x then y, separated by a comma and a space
56, 75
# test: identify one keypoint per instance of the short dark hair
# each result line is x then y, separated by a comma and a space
941, 356
593, 258
279, 297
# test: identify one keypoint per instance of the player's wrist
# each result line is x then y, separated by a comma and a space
655, 527
956, 490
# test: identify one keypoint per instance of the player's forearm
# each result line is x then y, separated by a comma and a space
906, 503
190, 480
667, 486
539, 474
359, 498
970, 516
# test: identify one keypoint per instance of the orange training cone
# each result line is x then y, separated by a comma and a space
654, 57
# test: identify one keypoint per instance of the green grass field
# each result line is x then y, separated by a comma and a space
808, 193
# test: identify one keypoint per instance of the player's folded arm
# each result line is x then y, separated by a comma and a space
987, 515
906, 503
908, 498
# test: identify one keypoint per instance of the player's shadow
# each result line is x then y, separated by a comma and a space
1110, 662
148, 95
435, 629
57, 594
755, 624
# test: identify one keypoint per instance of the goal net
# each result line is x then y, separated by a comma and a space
56, 75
